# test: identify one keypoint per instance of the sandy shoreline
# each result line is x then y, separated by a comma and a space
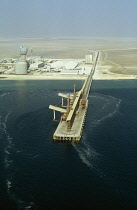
40, 77
97, 76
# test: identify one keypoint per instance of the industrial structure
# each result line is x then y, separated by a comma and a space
21, 67
74, 112
89, 59
46, 67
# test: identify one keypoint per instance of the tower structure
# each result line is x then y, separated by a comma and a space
21, 67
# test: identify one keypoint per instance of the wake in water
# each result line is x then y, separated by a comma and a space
101, 107
9, 151
11, 110
86, 153
8, 162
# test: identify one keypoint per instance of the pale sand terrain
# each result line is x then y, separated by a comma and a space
117, 64
42, 77
117, 60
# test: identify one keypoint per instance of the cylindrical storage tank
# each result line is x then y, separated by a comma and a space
21, 68
88, 59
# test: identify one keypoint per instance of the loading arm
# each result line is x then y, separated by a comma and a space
65, 96
57, 109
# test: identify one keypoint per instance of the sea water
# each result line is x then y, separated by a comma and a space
98, 172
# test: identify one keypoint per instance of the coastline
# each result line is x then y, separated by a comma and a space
41, 77
96, 76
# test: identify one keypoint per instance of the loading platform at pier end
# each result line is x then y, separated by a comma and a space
73, 111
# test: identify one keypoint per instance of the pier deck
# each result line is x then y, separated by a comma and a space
61, 133
73, 117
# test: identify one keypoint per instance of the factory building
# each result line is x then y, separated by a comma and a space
71, 65
57, 64
36, 65
70, 72
88, 59
86, 70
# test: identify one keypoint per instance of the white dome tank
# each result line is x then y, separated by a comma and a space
23, 50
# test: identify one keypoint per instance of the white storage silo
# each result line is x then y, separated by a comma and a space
21, 67
88, 59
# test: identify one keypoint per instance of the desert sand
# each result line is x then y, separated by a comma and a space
117, 59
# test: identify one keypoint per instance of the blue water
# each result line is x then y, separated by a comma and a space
99, 172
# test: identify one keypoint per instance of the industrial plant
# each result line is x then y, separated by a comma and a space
37, 65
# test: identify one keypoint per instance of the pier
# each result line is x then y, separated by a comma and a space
73, 113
